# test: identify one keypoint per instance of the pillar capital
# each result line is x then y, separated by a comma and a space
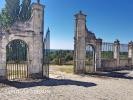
80, 15
117, 42
130, 51
130, 44
99, 41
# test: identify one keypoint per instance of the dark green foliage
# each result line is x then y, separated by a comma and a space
89, 54
25, 10
107, 54
123, 55
38, 1
69, 57
13, 8
5, 19
13, 12
61, 57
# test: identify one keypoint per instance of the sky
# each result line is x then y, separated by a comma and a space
108, 19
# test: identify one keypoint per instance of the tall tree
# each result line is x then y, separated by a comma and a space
5, 19
25, 10
38, 1
13, 8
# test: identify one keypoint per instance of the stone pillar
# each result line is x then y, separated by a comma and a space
98, 53
117, 52
130, 51
3, 56
38, 28
0, 55
0, 49
37, 17
80, 43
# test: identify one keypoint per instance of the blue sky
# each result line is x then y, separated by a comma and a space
108, 19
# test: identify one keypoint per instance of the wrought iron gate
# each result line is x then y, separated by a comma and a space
46, 55
90, 59
16, 60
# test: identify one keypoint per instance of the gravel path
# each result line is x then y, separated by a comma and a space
62, 86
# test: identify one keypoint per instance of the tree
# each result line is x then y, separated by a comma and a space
5, 19
12, 12
38, 1
61, 56
68, 57
25, 12
13, 8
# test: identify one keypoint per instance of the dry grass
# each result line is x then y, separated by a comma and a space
63, 68
66, 68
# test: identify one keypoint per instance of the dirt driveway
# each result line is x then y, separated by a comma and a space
66, 86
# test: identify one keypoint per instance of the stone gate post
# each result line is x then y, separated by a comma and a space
117, 52
130, 51
98, 53
38, 28
3, 57
79, 43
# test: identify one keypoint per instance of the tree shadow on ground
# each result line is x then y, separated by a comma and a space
50, 82
112, 74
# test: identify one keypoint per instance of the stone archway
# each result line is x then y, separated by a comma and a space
32, 32
82, 38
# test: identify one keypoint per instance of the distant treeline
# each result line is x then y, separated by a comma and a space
61, 57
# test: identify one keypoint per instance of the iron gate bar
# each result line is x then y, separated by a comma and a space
123, 51
46, 55
90, 59
107, 50
17, 64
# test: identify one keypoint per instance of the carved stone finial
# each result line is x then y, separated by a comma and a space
117, 41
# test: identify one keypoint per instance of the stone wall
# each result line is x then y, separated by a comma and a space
31, 32
82, 38
0, 47
108, 63
111, 64
125, 62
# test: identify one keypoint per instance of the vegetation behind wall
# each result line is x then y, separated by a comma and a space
14, 11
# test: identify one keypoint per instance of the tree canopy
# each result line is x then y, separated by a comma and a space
13, 8
14, 11
25, 10
5, 19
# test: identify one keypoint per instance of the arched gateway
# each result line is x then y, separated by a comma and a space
16, 59
90, 58
91, 54
23, 51
87, 48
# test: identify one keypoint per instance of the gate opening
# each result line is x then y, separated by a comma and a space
16, 60
90, 59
